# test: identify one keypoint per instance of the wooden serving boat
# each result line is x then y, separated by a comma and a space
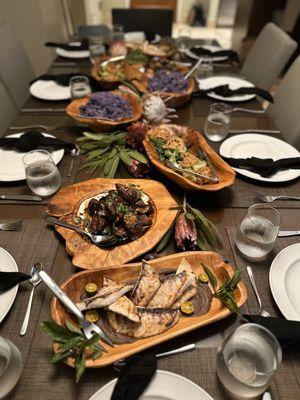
86, 255
74, 287
225, 173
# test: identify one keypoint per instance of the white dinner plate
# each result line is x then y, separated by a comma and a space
72, 53
232, 81
49, 90
11, 164
190, 53
260, 146
164, 386
7, 264
284, 277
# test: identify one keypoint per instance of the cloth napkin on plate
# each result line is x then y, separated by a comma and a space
200, 51
286, 331
135, 377
11, 279
34, 139
84, 45
64, 79
225, 91
265, 167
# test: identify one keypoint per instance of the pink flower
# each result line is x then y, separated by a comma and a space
185, 233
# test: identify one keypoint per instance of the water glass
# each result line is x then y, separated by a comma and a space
247, 360
258, 230
183, 41
96, 48
118, 33
10, 366
42, 175
217, 123
205, 69
80, 87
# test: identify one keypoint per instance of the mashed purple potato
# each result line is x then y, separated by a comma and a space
168, 81
107, 105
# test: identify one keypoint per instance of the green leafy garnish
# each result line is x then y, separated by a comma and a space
211, 276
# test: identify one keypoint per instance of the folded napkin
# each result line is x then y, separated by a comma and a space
200, 51
135, 377
286, 331
84, 45
11, 279
34, 139
64, 79
264, 166
225, 91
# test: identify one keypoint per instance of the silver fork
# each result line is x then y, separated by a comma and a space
11, 225
248, 110
89, 329
35, 281
172, 166
270, 199
261, 311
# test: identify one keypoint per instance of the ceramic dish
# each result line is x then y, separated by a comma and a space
7, 264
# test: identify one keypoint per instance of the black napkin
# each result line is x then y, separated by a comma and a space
286, 331
200, 51
34, 139
11, 279
64, 79
83, 46
264, 166
225, 91
135, 377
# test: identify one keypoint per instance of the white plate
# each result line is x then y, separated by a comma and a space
72, 53
49, 90
190, 53
164, 386
284, 280
260, 146
11, 164
7, 264
233, 82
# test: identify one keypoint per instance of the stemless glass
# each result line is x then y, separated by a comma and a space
118, 33
205, 69
258, 230
183, 40
247, 360
96, 48
217, 123
42, 175
79, 86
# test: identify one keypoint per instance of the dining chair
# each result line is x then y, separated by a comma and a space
285, 110
268, 56
15, 69
8, 110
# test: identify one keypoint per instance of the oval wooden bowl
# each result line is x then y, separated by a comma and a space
225, 173
74, 287
98, 124
147, 51
86, 255
175, 100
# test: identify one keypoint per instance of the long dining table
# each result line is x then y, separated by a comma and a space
38, 242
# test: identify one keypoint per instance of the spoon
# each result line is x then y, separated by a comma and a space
261, 311
74, 153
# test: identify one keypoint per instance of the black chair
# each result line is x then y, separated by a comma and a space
151, 21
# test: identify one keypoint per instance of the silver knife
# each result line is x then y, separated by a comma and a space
288, 233
43, 110
24, 197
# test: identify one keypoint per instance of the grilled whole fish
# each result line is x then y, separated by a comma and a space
124, 306
153, 322
147, 285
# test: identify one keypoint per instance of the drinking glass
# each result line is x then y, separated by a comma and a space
183, 40
96, 48
10, 366
258, 230
217, 123
247, 360
118, 33
205, 69
79, 86
42, 175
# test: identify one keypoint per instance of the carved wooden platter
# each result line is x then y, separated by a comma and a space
75, 285
225, 173
86, 255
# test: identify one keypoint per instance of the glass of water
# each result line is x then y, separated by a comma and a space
217, 123
80, 87
247, 360
183, 40
205, 69
258, 230
96, 48
42, 175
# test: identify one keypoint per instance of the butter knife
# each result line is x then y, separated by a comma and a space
288, 233
24, 197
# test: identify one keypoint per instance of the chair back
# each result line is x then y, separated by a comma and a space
285, 110
268, 56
